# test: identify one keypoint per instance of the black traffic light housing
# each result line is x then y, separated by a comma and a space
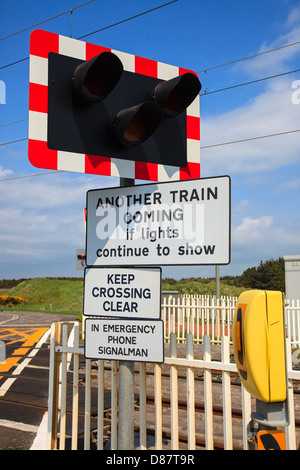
176, 94
97, 77
132, 126
97, 108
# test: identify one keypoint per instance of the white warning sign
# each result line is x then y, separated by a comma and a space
174, 223
130, 340
122, 292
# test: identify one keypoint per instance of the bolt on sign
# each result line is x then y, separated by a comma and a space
170, 223
102, 111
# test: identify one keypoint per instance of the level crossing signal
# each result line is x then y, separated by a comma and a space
111, 108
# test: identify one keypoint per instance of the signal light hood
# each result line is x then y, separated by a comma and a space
132, 126
175, 95
96, 78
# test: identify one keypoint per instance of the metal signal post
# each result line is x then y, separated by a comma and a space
126, 389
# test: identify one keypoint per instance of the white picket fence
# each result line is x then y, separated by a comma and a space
177, 378
292, 318
203, 315
199, 315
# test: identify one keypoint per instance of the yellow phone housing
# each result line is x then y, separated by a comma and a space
259, 344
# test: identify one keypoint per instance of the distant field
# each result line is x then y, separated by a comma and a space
66, 296
49, 295
202, 287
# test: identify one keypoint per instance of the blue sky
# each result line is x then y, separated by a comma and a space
41, 217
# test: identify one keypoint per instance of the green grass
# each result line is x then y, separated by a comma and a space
66, 296
49, 295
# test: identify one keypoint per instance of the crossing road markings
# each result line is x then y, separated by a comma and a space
6, 385
28, 337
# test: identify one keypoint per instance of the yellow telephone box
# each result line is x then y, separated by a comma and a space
259, 344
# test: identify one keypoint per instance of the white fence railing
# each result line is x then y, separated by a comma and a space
203, 315
187, 375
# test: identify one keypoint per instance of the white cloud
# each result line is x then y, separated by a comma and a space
44, 193
42, 223
42, 220
251, 229
272, 111
5, 172
278, 60
265, 237
288, 185
293, 16
269, 113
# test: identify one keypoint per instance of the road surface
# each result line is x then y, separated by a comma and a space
24, 378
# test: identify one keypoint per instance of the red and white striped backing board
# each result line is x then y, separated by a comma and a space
43, 42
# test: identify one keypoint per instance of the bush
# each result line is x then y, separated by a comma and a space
268, 275
11, 300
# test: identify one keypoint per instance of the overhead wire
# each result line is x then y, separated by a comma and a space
198, 72
248, 57
94, 32
45, 21
203, 147
203, 70
131, 18
14, 63
12, 142
89, 34
205, 92
128, 19
249, 83
249, 139
14, 122
32, 175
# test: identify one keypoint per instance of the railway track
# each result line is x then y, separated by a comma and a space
23, 400
200, 410
166, 434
